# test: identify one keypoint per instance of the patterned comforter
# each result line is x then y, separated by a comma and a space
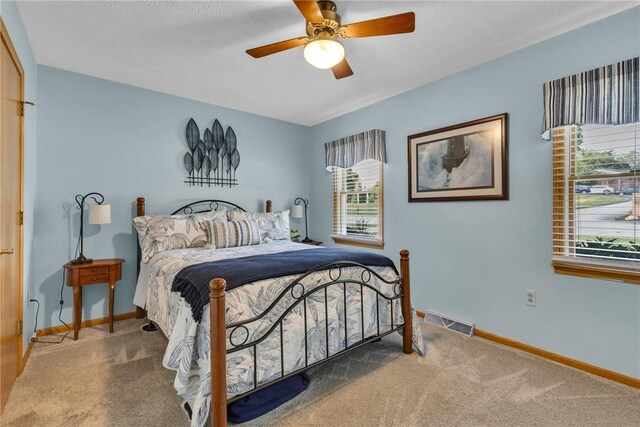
189, 341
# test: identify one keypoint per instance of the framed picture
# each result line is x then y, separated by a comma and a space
467, 161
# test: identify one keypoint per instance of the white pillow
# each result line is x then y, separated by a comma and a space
273, 225
161, 233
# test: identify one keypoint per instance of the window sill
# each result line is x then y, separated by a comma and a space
592, 272
365, 243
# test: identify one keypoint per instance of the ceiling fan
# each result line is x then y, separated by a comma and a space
321, 46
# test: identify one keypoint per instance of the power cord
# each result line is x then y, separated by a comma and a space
75, 253
36, 338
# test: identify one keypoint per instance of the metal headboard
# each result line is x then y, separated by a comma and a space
206, 206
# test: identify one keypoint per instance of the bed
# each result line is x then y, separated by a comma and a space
268, 329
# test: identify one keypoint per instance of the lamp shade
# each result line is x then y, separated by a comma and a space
324, 53
100, 214
296, 211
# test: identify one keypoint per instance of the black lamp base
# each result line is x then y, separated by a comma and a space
307, 239
80, 260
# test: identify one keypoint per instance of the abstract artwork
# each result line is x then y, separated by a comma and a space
212, 159
467, 161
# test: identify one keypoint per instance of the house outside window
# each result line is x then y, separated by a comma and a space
596, 201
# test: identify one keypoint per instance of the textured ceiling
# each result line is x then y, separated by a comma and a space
197, 49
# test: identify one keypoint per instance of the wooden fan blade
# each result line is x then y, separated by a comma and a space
272, 48
342, 70
395, 24
310, 11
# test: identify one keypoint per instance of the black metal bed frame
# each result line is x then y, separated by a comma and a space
300, 295
298, 292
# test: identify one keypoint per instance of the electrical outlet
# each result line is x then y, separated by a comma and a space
28, 296
531, 297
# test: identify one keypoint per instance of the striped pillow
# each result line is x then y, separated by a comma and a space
273, 225
233, 233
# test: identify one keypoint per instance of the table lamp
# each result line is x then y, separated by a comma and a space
98, 214
296, 212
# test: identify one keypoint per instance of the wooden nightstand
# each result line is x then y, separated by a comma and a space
92, 273
311, 242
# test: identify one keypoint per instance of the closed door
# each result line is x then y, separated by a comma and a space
10, 217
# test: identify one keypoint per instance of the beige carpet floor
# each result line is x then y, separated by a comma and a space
118, 380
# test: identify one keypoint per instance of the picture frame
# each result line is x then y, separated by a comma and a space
467, 161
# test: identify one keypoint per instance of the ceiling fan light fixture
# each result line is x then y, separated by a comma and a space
324, 53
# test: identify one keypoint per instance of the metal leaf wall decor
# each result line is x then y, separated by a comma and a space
212, 159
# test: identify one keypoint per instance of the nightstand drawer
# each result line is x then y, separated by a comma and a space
94, 278
92, 271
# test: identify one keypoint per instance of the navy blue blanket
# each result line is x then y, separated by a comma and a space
193, 281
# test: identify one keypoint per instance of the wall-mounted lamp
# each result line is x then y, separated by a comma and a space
98, 214
296, 212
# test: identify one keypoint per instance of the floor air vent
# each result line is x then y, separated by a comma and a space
448, 322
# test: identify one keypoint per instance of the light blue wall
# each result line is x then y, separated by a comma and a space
124, 142
473, 260
13, 23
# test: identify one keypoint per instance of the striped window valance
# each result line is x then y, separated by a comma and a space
607, 95
346, 152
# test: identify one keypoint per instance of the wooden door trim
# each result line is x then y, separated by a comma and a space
6, 39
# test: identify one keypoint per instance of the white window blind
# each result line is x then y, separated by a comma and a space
357, 202
596, 195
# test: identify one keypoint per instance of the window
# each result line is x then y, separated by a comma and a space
596, 201
357, 204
